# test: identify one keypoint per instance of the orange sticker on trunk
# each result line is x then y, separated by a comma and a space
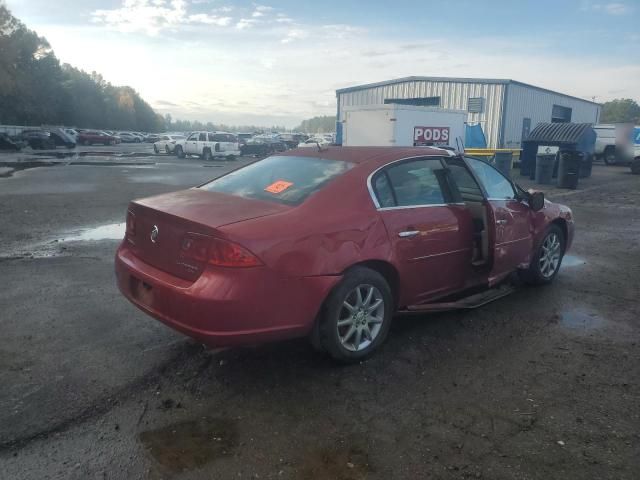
278, 186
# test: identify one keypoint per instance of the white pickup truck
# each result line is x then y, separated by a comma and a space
208, 145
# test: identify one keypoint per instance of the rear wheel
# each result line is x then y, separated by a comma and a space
610, 156
179, 152
546, 262
356, 316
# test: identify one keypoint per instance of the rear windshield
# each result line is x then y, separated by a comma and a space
283, 179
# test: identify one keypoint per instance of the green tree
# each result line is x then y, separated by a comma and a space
620, 110
35, 89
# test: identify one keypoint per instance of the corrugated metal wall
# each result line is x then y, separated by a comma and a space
453, 95
526, 102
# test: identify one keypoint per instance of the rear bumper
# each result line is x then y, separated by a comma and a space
225, 307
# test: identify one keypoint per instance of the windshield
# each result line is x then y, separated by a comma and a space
283, 179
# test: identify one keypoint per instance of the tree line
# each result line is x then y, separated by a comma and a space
36, 89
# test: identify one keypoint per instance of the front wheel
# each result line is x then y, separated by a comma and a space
155, 149
547, 259
356, 316
179, 152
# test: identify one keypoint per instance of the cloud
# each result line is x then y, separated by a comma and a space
207, 19
153, 16
245, 23
294, 34
613, 8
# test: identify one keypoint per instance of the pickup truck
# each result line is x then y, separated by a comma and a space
208, 145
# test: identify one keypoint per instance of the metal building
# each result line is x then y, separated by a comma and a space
507, 110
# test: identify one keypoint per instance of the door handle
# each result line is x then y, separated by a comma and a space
501, 222
408, 233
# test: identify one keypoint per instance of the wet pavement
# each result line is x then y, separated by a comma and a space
539, 384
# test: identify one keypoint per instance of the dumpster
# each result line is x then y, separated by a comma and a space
569, 170
544, 169
578, 137
503, 162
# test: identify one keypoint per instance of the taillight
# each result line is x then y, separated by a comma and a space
195, 247
216, 251
131, 224
223, 253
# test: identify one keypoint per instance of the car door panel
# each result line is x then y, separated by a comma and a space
432, 249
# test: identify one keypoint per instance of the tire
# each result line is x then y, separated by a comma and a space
179, 152
609, 156
206, 155
343, 330
155, 149
541, 272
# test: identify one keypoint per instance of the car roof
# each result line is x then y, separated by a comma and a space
374, 155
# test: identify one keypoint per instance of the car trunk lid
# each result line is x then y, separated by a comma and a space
169, 227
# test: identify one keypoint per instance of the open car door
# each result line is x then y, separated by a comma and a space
509, 221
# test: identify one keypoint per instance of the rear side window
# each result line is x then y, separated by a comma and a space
203, 137
411, 183
283, 179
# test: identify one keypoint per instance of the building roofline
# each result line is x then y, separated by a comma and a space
497, 81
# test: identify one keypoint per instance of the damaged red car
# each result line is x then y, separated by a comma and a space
331, 244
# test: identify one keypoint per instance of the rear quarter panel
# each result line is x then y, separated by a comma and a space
333, 229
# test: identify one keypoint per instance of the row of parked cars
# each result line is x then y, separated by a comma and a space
51, 137
209, 145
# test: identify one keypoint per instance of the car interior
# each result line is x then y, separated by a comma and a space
472, 197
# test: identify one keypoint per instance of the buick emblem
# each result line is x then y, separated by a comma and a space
154, 233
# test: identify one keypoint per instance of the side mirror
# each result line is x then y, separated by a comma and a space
536, 201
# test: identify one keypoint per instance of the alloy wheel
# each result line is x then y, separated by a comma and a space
360, 318
550, 257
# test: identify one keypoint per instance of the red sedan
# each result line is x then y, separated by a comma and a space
332, 243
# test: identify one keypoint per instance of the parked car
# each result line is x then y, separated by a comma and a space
6, 143
127, 137
261, 147
91, 137
331, 244
315, 142
291, 140
208, 145
167, 143
72, 133
139, 135
152, 138
38, 139
243, 137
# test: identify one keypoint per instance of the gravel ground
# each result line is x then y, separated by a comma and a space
541, 384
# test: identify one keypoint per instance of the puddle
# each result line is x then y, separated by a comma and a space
18, 166
581, 320
572, 261
113, 231
191, 444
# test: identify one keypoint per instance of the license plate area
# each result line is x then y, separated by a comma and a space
141, 291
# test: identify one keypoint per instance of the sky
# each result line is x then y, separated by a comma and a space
278, 62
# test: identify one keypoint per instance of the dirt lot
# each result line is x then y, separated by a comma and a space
541, 384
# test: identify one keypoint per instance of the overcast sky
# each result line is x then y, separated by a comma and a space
280, 62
